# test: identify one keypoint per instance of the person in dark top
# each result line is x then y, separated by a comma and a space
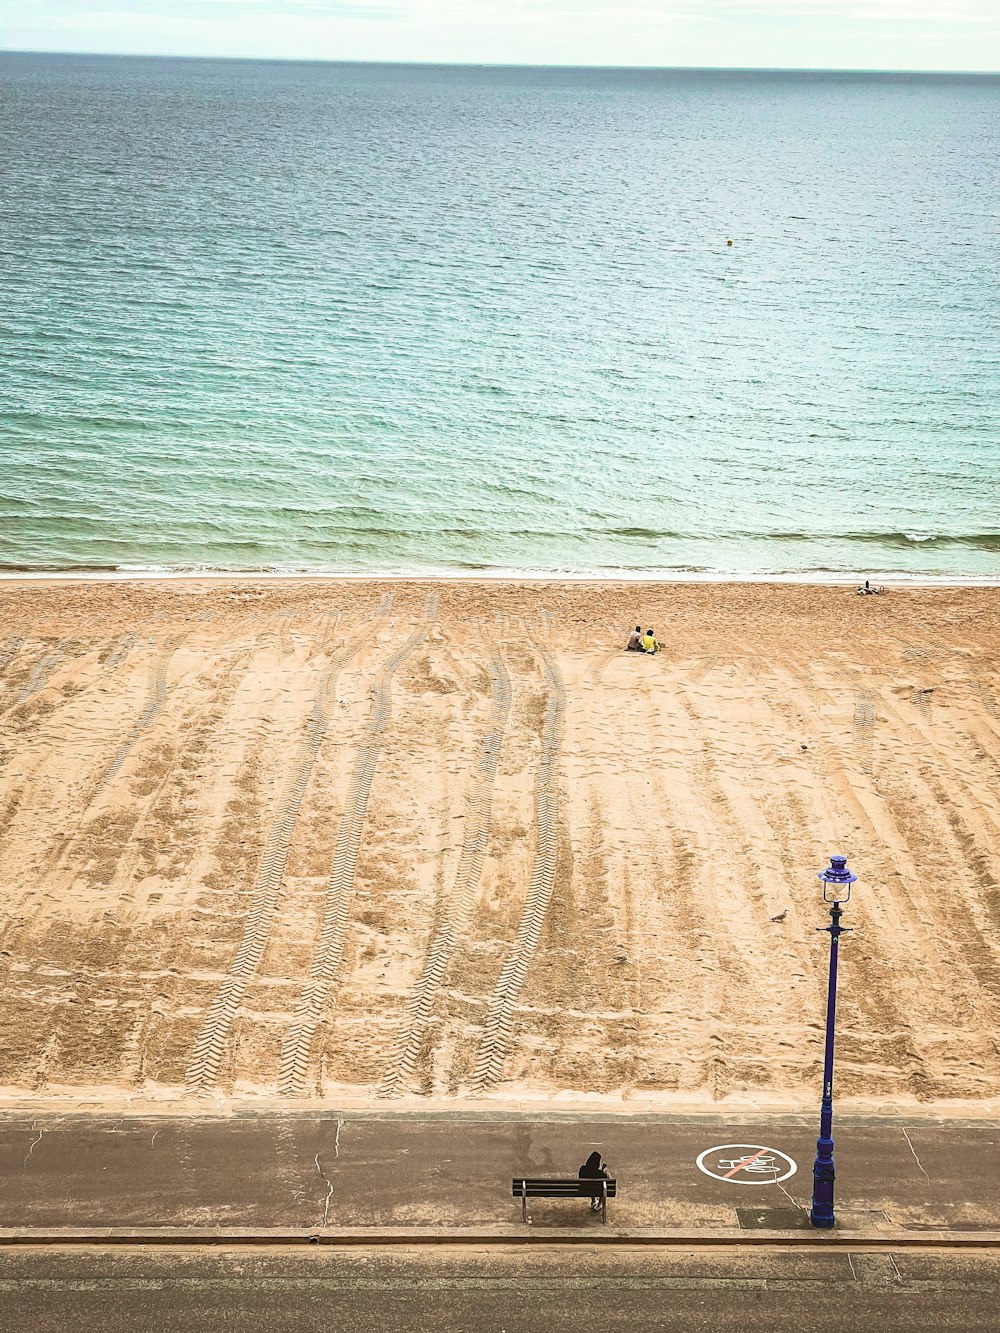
592, 1169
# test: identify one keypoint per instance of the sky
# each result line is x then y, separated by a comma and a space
827, 34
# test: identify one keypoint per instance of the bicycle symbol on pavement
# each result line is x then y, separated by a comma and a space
746, 1164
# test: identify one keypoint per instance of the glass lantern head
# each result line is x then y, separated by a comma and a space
837, 880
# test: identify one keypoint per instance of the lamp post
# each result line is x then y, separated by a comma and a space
837, 881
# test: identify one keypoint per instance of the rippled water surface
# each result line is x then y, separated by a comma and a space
367, 318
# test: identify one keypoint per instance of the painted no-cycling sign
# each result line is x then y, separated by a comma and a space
746, 1164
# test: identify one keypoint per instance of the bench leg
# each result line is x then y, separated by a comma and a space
524, 1202
604, 1202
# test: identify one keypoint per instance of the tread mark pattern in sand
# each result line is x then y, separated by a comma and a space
156, 696
284, 632
274, 631
705, 667
326, 629
460, 902
43, 668
889, 1013
119, 652
210, 1045
920, 698
384, 607
864, 729
496, 1037
324, 971
9, 651
505, 627
596, 671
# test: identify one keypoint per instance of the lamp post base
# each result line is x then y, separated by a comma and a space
824, 1175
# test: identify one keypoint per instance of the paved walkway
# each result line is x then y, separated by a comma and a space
454, 1171
536, 1290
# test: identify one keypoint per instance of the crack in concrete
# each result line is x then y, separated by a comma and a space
31, 1148
799, 1206
336, 1141
152, 1141
850, 1261
915, 1157
329, 1192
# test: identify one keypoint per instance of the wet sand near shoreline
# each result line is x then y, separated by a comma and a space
421, 843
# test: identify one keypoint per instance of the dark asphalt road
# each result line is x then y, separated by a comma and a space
301, 1171
500, 1291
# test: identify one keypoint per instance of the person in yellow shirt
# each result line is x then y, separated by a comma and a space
650, 644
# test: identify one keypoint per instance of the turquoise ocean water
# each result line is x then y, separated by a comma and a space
374, 319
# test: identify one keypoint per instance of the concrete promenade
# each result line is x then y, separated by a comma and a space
452, 1171
170, 1224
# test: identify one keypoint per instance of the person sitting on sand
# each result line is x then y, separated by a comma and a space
634, 644
869, 591
593, 1170
650, 643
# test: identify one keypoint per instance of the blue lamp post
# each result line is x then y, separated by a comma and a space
837, 881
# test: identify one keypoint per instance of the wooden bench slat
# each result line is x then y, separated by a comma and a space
563, 1180
599, 1189
569, 1190
583, 1188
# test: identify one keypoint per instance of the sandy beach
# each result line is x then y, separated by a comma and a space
424, 842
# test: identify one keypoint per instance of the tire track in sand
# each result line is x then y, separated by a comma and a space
8, 652
211, 1042
937, 813
326, 629
987, 697
119, 651
894, 1014
42, 670
496, 1038
56, 857
460, 902
156, 697
328, 957
864, 729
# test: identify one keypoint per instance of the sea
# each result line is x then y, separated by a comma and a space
390, 319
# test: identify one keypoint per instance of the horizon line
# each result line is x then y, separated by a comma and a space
499, 64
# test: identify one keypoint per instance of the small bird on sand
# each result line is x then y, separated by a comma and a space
781, 915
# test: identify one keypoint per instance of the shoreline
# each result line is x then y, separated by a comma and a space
814, 579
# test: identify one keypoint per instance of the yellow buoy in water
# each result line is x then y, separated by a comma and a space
729, 242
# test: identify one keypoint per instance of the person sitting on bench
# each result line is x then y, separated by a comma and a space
593, 1170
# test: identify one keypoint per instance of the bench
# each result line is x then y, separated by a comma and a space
572, 1187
